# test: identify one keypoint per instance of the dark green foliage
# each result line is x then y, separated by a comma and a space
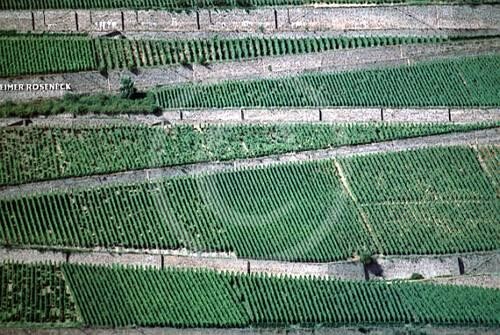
33, 154
78, 105
127, 88
463, 82
416, 276
366, 258
35, 294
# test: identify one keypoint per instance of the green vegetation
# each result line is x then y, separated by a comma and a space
434, 174
124, 53
490, 158
434, 227
462, 82
35, 294
193, 4
23, 54
127, 88
79, 105
124, 296
33, 54
294, 212
30, 154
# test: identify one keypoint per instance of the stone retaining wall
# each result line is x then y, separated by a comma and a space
431, 17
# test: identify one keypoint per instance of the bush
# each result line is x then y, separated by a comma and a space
80, 104
366, 258
127, 88
416, 276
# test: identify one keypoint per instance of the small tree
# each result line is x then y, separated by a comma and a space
127, 88
416, 276
366, 258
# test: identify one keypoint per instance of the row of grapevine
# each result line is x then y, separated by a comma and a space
47, 54
124, 53
432, 174
462, 82
36, 153
185, 4
489, 156
289, 212
119, 296
35, 294
311, 301
294, 212
435, 227
122, 296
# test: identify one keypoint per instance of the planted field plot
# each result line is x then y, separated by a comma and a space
177, 4
124, 53
294, 212
434, 174
434, 227
461, 82
289, 212
33, 54
35, 294
489, 156
34, 154
51, 53
126, 296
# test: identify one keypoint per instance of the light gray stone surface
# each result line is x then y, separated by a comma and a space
415, 115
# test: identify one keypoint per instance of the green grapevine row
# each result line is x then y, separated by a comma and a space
490, 156
122, 296
290, 212
294, 212
450, 173
468, 81
274, 300
124, 53
191, 4
32, 55
35, 294
46, 53
34, 154
435, 227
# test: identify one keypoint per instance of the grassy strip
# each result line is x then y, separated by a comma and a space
293, 212
36, 153
194, 4
461, 82
80, 105
71, 53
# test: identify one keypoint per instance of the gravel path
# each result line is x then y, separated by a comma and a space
266, 115
489, 136
372, 330
442, 268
